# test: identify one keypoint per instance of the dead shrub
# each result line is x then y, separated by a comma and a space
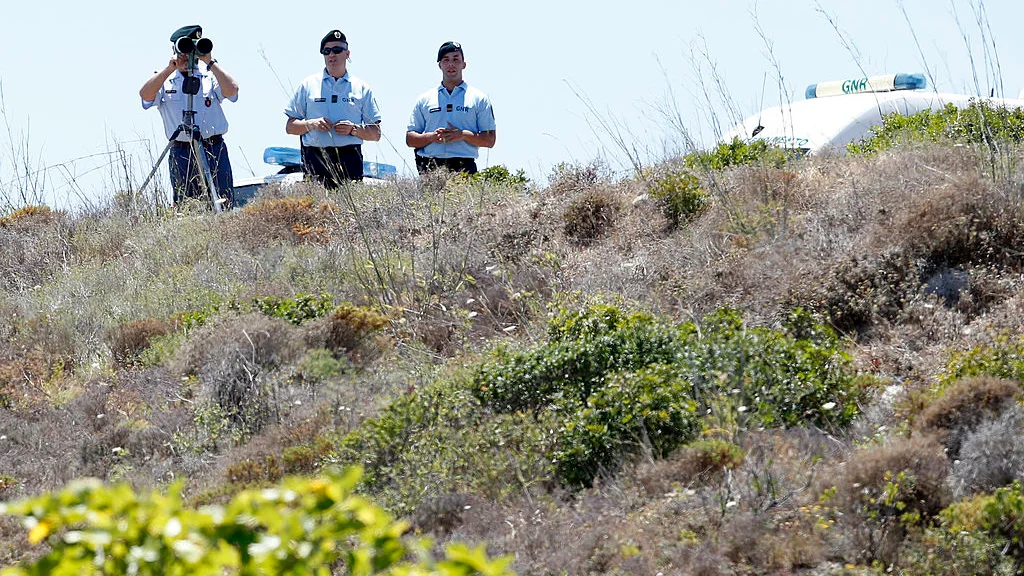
590, 217
29, 215
127, 341
701, 463
964, 223
236, 361
35, 247
861, 293
991, 455
887, 490
964, 406
352, 331
257, 470
296, 219
439, 516
569, 180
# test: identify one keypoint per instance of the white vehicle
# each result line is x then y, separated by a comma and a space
837, 113
290, 160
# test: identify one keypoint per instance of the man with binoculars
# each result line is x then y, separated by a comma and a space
193, 77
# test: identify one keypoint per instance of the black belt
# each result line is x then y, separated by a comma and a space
215, 139
338, 148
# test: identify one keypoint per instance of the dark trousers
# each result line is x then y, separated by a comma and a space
186, 174
332, 165
425, 164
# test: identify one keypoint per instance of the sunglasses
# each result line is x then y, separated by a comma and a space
333, 50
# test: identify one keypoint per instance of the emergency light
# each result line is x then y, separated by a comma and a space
886, 83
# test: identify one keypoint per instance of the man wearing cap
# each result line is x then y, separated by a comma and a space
449, 125
333, 112
165, 91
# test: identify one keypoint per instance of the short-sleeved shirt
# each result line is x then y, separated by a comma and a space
171, 102
347, 98
466, 108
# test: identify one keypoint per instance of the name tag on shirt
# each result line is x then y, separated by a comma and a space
172, 92
320, 100
432, 110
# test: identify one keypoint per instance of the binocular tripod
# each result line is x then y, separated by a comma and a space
191, 86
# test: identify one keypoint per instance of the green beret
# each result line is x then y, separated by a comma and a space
194, 32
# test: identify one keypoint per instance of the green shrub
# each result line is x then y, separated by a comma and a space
295, 310
793, 377
737, 153
320, 365
301, 527
785, 378
584, 347
501, 176
981, 535
715, 454
439, 440
633, 411
1004, 358
680, 196
606, 385
978, 123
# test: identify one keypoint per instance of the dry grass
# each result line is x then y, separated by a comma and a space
910, 253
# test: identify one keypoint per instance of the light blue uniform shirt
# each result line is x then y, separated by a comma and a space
171, 102
466, 108
347, 98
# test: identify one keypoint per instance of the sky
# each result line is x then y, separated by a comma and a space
570, 82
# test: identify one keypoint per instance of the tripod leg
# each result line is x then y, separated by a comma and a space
207, 180
155, 168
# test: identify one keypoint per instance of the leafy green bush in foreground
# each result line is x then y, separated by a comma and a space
302, 527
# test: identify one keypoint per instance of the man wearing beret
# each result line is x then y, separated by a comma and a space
451, 123
165, 91
333, 112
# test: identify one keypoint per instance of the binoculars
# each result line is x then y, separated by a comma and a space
200, 47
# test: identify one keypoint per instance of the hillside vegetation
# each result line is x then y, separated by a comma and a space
734, 362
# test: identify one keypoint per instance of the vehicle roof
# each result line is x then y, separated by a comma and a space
818, 124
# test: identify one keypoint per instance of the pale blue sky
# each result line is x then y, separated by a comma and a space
557, 72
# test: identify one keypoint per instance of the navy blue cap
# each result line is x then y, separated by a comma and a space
449, 47
334, 36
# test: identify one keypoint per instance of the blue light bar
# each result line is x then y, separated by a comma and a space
887, 83
911, 82
286, 156
282, 156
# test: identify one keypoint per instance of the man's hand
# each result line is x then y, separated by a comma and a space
321, 124
206, 58
344, 128
451, 134
178, 62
